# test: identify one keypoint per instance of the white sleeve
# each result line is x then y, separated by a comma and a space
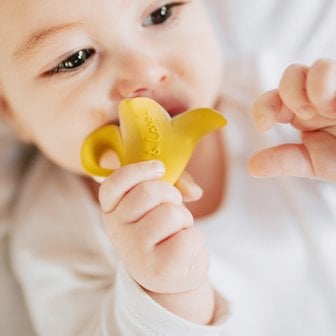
138, 314
71, 279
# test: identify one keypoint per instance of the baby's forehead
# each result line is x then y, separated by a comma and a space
17, 20
20, 18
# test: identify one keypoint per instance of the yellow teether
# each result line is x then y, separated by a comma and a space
147, 132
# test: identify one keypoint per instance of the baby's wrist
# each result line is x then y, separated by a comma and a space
196, 305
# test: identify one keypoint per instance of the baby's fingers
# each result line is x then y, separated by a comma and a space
144, 197
321, 87
268, 109
162, 223
125, 178
282, 160
314, 158
293, 92
264, 110
190, 191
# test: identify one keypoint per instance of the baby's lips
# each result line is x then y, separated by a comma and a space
176, 109
173, 106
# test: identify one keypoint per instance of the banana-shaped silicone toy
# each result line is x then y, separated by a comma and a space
147, 132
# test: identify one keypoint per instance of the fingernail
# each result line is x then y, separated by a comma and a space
99, 179
196, 190
158, 167
191, 190
192, 193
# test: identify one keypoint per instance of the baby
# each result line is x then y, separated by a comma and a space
64, 68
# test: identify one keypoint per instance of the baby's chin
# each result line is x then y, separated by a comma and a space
70, 166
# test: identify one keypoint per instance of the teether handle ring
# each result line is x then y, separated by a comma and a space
106, 138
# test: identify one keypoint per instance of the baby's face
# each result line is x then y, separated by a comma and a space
65, 65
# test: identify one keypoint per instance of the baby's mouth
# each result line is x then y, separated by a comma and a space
174, 111
173, 108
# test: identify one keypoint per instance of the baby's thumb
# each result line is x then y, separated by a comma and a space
283, 160
190, 191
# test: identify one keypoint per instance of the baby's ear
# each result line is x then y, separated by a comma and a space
7, 116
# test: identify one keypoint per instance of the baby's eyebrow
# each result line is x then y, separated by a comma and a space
41, 36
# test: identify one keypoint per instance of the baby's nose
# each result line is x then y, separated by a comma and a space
139, 75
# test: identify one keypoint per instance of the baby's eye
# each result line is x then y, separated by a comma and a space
72, 63
162, 14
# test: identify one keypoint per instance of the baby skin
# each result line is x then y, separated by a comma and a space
152, 229
64, 70
305, 99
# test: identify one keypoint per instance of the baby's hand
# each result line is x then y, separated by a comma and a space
306, 99
152, 230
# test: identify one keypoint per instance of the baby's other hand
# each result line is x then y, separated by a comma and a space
151, 229
306, 99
